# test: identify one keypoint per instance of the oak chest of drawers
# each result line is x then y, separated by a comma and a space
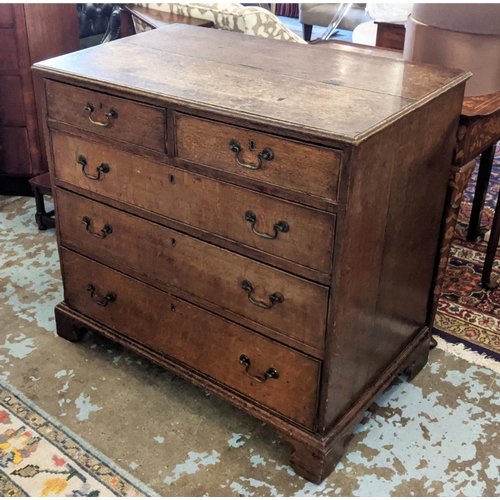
257, 216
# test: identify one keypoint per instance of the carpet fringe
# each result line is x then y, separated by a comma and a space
468, 354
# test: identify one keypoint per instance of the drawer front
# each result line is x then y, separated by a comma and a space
8, 51
292, 306
11, 109
296, 233
194, 337
107, 115
6, 15
309, 169
15, 155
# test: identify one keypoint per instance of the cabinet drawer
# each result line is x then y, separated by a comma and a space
194, 337
309, 169
6, 15
15, 155
296, 308
114, 117
11, 108
299, 234
8, 51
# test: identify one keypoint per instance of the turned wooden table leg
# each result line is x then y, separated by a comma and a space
483, 179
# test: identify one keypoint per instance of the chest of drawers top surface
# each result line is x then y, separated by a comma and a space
333, 92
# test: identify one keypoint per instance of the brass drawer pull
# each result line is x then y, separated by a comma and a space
270, 373
107, 229
266, 154
111, 114
275, 298
280, 226
110, 297
103, 167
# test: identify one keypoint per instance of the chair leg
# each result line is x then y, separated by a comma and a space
307, 32
492, 250
483, 179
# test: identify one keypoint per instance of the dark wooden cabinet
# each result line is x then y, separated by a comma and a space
28, 33
263, 228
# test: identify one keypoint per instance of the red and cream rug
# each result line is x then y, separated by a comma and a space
468, 315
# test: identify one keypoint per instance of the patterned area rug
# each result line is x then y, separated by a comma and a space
468, 313
40, 458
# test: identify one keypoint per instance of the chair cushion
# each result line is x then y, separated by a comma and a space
233, 17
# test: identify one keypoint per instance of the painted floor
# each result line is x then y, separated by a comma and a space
435, 436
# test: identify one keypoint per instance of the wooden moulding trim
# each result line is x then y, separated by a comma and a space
326, 444
352, 417
335, 140
237, 399
252, 122
342, 429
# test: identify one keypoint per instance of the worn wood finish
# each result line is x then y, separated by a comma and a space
195, 337
28, 33
204, 270
297, 166
385, 294
373, 248
252, 89
134, 122
199, 201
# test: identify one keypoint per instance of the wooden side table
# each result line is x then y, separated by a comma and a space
154, 19
41, 186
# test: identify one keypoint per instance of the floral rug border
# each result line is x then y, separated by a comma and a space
97, 465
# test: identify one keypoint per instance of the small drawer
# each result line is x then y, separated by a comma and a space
107, 115
8, 51
282, 162
6, 16
294, 307
288, 230
220, 349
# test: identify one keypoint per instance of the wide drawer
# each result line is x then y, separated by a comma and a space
294, 307
282, 162
199, 339
107, 115
287, 230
